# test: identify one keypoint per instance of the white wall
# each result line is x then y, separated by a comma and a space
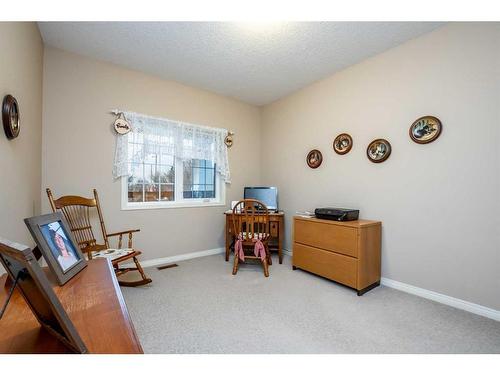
21, 76
438, 202
78, 146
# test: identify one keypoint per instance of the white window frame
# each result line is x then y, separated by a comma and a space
180, 201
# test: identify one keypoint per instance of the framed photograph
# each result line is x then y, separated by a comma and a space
425, 129
55, 241
342, 143
21, 264
378, 150
314, 159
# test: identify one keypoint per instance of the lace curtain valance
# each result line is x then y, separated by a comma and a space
153, 135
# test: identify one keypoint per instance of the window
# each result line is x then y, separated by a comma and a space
152, 182
166, 163
171, 182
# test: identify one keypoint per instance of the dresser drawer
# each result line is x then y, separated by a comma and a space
330, 237
340, 268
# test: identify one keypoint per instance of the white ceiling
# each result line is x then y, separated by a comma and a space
256, 63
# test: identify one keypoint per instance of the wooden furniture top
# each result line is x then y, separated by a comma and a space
271, 213
94, 303
352, 224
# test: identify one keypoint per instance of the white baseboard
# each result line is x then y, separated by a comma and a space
442, 298
437, 297
178, 258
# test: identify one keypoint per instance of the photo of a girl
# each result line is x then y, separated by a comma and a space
60, 245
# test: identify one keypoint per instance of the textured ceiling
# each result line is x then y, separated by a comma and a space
256, 63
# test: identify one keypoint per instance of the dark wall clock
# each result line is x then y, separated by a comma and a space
10, 117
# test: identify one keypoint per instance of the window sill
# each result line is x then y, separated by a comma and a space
156, 206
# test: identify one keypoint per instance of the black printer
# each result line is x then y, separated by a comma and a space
337, 214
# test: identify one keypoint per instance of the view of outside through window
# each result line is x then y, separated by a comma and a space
154, 180
198, 179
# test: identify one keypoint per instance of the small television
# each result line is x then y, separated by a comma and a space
266, 194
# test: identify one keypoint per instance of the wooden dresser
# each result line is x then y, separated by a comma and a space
347, 252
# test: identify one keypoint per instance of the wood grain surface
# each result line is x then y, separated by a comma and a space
95, 305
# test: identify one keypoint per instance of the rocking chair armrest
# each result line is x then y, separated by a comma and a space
124, 232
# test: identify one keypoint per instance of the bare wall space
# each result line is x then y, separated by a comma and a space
438, 202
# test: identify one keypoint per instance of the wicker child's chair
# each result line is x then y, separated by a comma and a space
251, 225
76, 210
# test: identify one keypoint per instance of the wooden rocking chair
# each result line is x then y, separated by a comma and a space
76, 210
251, 223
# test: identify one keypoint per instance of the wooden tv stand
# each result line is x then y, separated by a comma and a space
95, 305
347, 252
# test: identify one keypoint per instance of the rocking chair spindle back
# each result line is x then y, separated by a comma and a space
77, 211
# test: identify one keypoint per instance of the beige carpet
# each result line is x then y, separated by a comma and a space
199, 307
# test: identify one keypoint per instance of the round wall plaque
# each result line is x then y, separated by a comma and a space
378, 150
121, 125
342, 143
314, 159
229, 140
425, 129
10, 117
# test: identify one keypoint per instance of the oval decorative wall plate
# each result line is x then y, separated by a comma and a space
425, 129
121, 125
10, 117
342, 143
314, 159
378, 150
229, 140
